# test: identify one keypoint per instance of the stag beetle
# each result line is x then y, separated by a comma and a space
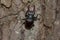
29, 17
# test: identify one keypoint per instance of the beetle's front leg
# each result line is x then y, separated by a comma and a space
37, 17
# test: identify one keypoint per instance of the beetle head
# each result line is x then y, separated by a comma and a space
31, 7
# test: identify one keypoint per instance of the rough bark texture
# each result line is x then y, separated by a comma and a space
13, 11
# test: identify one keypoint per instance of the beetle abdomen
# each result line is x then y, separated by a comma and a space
28, 25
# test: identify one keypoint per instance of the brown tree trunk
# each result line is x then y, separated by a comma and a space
13, 11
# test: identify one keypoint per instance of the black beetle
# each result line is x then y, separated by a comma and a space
30, 17
29, 21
